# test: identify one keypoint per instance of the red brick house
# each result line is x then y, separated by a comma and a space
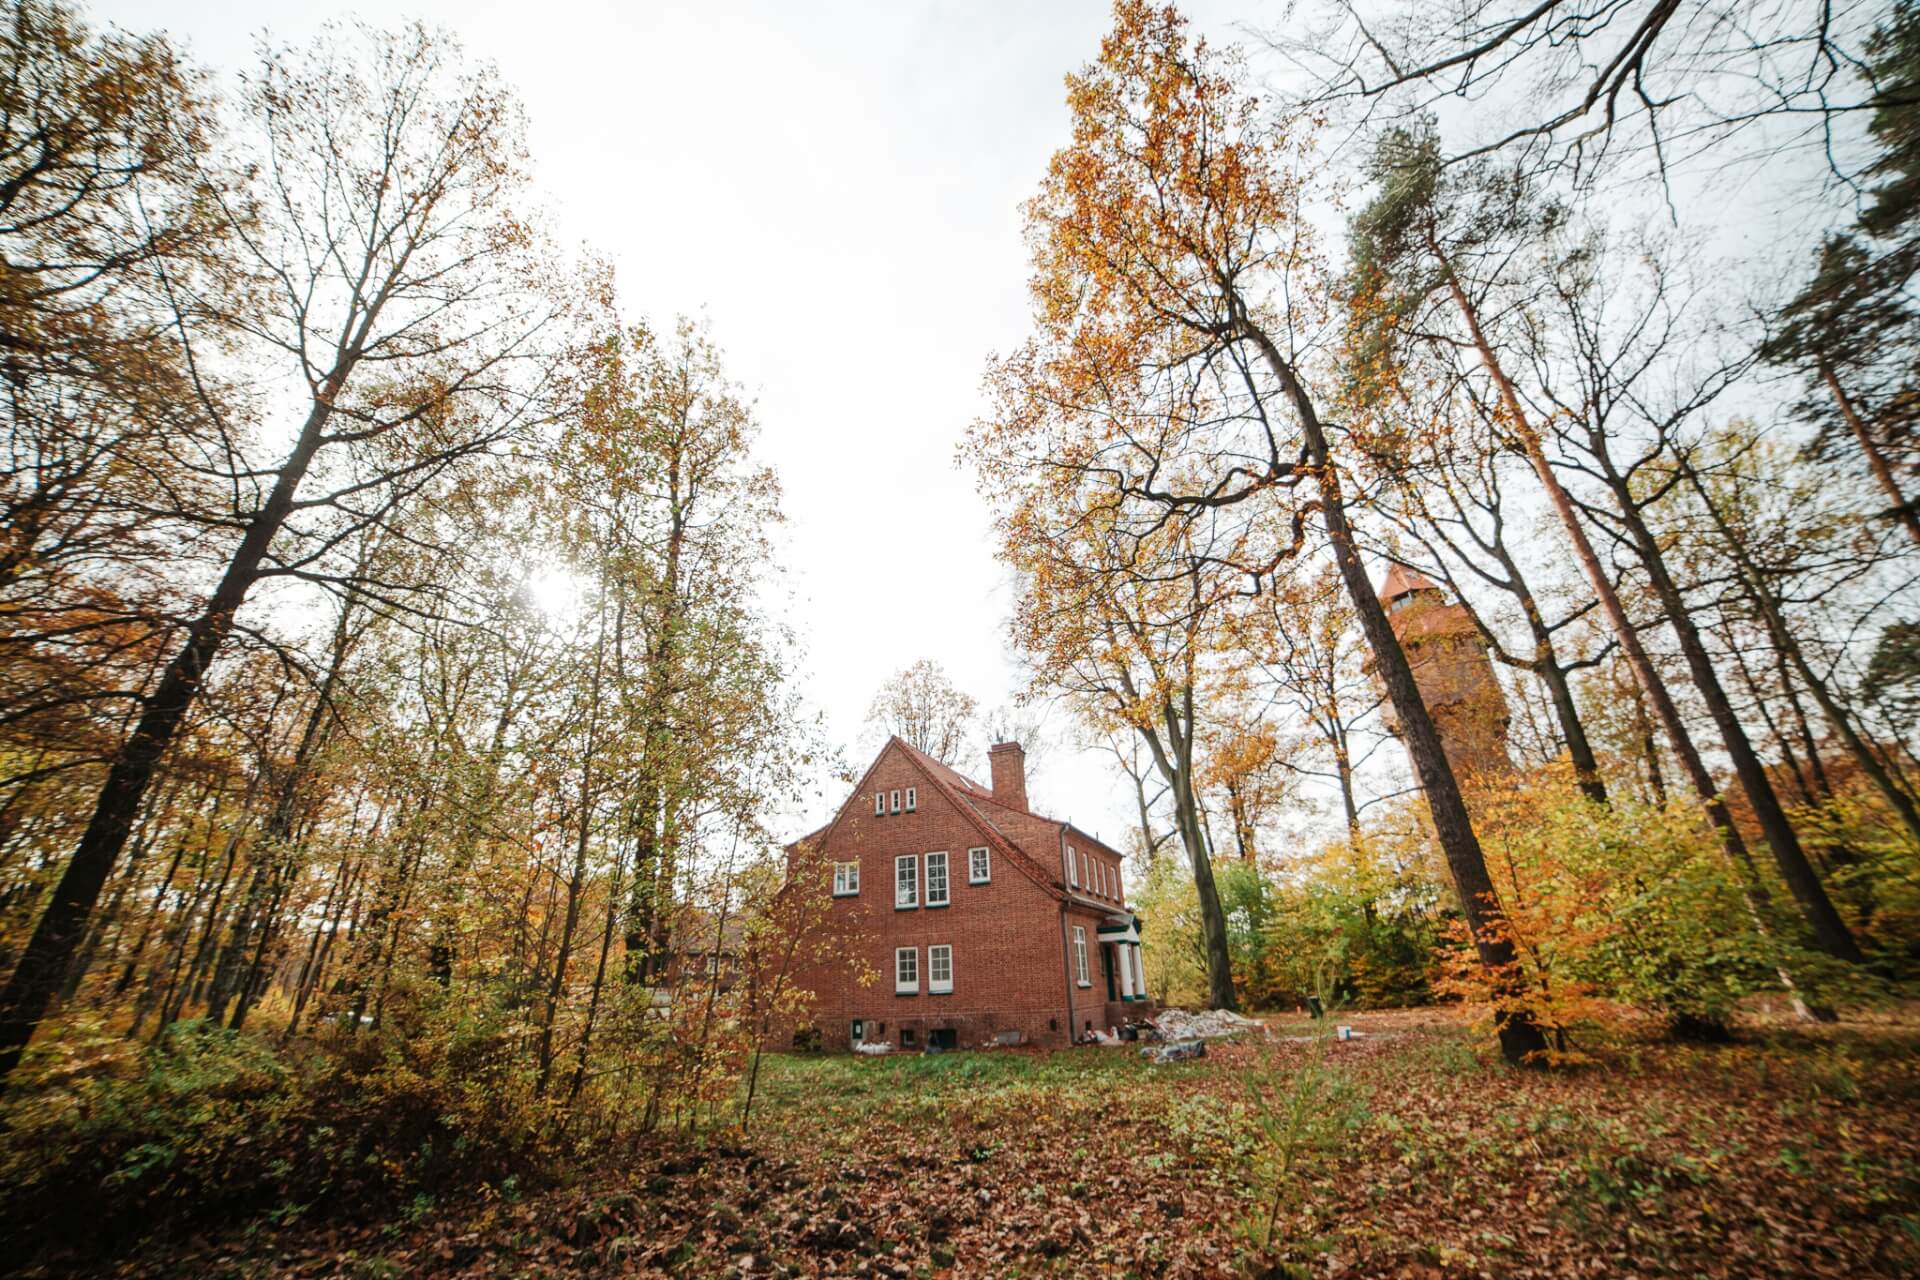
985, 921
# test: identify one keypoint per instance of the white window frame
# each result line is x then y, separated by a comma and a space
946, 879
879, 804
936, 985
909, 863
846, 879
1080, 956
1099, 878
1073, 868
913, 799
893, 800
906, 979
980, 868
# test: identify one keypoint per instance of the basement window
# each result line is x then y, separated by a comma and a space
906, 1038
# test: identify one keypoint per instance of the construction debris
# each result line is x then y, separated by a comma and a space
1211, 1024
1174, 1052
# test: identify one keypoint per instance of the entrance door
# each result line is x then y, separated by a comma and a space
1107, 950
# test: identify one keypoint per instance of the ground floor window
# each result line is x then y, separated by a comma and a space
1080, 956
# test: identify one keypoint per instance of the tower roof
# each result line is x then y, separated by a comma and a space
1404, 581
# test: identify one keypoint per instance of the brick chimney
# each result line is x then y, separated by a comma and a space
1008, 761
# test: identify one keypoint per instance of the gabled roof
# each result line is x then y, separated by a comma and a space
978, 805
961, 792
1403, 581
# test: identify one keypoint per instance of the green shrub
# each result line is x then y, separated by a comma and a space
210, 1125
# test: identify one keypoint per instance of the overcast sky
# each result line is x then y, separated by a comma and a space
835, 187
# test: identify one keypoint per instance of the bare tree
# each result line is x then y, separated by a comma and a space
921, 705
393, 282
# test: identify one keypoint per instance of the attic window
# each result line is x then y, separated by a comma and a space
979, 866
912, 799
879, 804
895, 796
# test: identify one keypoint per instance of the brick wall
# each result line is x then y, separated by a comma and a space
1010, 964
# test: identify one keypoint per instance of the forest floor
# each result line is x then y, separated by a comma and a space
1792, 1152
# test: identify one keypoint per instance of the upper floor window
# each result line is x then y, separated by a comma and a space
906, 971
940, 970
846, 879
937, 892
1073, 868
879, 804
1080, 956
913, 799
894, 798
979, 866
906, 881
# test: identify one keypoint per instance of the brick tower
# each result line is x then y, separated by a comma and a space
1455, 675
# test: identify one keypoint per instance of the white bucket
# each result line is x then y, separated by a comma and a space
1345, 1033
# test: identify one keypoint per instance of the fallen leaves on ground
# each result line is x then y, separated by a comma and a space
1793, 1153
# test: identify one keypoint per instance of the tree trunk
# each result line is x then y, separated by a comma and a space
1174, 759
556, 984
1785, 644
1830, 932
1520, 1036
1876, 460
44, 961
1638, 661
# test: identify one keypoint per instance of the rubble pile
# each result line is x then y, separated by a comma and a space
1209, 1024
